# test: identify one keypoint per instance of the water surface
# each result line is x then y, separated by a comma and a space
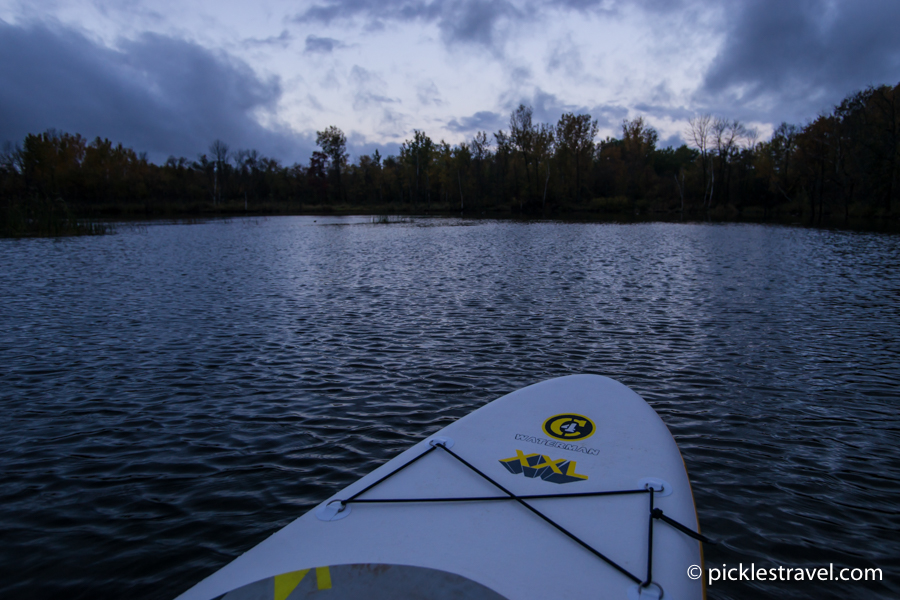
173, 394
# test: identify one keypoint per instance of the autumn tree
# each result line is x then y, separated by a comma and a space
782, 147
461, 157
638, 145
333, 143
416, 154
574, 150
882, 136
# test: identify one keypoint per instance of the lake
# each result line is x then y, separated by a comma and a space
172, 394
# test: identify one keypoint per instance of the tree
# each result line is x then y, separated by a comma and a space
814, 148
673, 164
883, 104
638, 145
522, 135
10, 158
502, 159
728, 137
544, 142
700, 135
574, 149
333, 143
317, 175
246, 164
461, 159
416, 154
219, 151
51, 163
378, 174
480, 148
783, 144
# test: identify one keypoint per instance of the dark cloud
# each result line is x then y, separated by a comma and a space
480, 121
321, 45
364, 99
676, 113
474, 21
794, 57
613, 7
392, 123
520, 74
546, 107
587, 5
565, 56
609, 116
480, 22
155, 94
368, 89
428, 94
459, 21
357, 145
673, 141
284, 40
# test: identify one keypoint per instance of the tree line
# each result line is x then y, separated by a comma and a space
841, 164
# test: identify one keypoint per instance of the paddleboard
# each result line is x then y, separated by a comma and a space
569, 488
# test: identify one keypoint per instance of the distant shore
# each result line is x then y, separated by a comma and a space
842, 169
104, 221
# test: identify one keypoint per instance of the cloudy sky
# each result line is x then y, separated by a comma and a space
168, 77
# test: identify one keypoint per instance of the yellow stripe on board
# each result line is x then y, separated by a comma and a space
287, 582
323, 578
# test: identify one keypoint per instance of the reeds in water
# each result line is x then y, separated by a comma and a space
38, 216
389, 219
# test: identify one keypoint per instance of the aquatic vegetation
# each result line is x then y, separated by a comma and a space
389, 219
38, 216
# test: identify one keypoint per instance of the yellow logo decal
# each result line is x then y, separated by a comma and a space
537, 465
569, 427
288, 582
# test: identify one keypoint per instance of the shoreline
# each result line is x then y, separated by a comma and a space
59, 220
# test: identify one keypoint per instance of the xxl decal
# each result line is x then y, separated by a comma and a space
538, 465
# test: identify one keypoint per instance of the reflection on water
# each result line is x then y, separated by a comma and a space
174, 394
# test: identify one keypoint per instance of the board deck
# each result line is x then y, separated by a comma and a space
571, 435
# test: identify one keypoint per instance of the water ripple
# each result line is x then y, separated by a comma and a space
173, 395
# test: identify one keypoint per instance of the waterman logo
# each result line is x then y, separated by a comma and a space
538, 465
521, 437
569, 427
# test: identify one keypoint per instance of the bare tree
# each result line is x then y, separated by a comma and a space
11, 157
481, 146
728, 137
700, 135
219, 150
